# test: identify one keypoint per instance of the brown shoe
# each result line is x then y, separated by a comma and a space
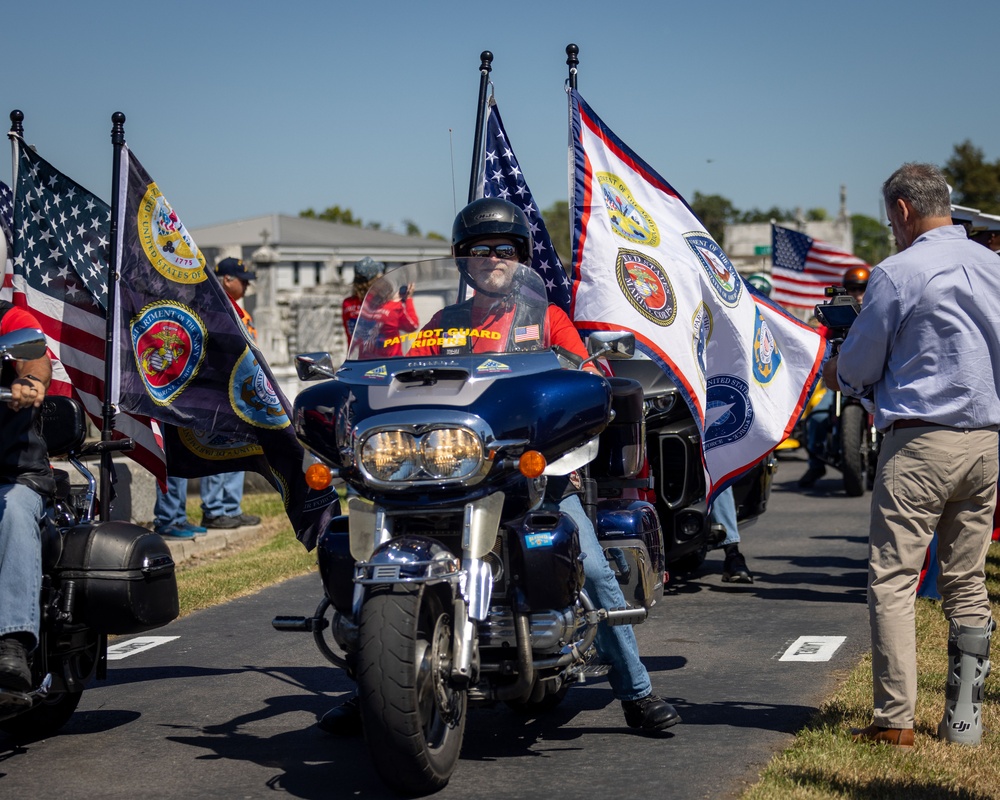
873, 734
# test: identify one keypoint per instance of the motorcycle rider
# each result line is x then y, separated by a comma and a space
25, 480
493, 235
818, 422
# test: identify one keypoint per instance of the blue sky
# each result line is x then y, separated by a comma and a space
240, 109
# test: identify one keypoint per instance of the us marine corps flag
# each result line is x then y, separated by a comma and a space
188, 361
644, 262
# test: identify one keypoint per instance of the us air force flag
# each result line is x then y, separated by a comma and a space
644, 262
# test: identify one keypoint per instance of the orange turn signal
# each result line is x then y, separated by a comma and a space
318, 476
532, 464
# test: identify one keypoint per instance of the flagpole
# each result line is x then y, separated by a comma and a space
108, 410
16, 128
573, 63
485, 67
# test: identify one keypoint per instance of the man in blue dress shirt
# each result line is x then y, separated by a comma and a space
926, 346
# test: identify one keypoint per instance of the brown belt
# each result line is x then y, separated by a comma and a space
914, 423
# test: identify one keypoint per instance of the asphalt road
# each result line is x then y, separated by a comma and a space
227, 709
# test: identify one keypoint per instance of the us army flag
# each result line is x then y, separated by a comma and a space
644, 262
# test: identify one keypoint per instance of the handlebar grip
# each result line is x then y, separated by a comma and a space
113, 446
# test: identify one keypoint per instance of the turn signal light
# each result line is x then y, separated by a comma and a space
532, 464
318, 476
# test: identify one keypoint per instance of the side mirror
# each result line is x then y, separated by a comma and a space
611, 344
26, 344
314, 366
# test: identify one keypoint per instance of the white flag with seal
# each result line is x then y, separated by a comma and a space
644, 262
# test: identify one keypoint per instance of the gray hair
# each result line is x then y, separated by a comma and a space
923, 186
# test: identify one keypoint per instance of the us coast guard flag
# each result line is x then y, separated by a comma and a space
644, 262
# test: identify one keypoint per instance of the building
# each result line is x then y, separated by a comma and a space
304, 270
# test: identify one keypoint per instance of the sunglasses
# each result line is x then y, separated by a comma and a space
505, 251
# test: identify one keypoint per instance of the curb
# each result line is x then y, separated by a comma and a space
212, 542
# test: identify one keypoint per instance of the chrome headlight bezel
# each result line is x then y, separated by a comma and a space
419, 453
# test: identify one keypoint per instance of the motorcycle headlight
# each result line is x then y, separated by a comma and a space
391, 455
439, 454
450, 453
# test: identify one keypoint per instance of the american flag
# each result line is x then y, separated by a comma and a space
7, 223
61, 248
503, 178
803, 267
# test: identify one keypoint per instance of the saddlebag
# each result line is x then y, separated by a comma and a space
621, 451
629, 531
120, 577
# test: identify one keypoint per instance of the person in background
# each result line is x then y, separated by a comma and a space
365, 273
926, 347
723, 512
170, 511
820, 418
222, 495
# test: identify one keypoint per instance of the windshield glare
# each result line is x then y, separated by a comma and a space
452, 307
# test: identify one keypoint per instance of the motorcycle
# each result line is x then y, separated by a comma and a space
850, 440
453, 582
675, 478
99, 578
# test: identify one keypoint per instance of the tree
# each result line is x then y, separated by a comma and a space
817, 215
715, 211
556, 218
975, 181
344, 216
412, 229
871, 239
756, 215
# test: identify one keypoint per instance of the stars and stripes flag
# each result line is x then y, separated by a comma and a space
7, 240
186, 359
644, 262
803, 267
502, 177
60, 269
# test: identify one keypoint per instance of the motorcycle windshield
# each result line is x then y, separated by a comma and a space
450, 307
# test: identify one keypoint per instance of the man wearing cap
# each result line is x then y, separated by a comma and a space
222, 495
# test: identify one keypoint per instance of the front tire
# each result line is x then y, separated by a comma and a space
854, 449
414, 719
44, 719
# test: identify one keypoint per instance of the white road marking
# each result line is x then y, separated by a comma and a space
813, 648
120, 650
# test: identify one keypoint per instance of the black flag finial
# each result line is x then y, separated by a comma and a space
573, 62
118, 128
486, 61
16, 122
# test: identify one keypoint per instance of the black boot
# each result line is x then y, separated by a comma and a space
734, 569
343, 720
15, 674
650, 713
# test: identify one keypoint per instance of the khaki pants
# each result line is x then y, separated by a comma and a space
928, 479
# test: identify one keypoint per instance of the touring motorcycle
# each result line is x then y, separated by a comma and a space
99, 577
454, 581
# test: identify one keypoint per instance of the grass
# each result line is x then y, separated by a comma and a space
824, 763
246, 569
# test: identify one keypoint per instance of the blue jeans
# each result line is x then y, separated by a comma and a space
170, 509
21, 509
616, 645
222, 495
723, 511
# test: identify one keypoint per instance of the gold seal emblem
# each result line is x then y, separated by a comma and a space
166, 242
628, 219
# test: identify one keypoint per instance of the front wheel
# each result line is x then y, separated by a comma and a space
414, 719
854, 449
